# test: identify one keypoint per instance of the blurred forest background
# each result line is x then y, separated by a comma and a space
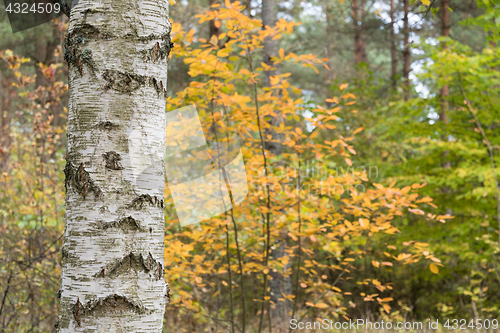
372, 141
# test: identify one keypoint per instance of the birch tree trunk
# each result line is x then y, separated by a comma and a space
112, 276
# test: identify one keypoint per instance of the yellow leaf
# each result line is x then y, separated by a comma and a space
214, 40
357, 130
348, 161
274, 80
224, 283
426, 2
282, 53
335, 100
322, 305
434, 269
266, 271
349, 95
198, 279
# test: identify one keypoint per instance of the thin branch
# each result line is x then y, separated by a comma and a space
490, 151
268, 213
300, 249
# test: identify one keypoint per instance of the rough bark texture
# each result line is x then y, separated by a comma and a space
406, 49
112, 278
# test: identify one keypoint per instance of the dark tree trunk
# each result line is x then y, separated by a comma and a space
394, 60
358, 48
445, 32
362, 27
213, 30
406, 50
278, 283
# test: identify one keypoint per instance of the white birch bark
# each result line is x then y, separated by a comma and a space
112, 276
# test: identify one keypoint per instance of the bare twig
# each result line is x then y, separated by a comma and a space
490, 151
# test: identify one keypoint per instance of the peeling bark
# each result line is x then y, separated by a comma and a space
113, 160
134, 263
112, 258
113, 304
139, 202
126, 224
81, 181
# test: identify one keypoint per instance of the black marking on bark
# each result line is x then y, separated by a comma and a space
167, 296
113, 159
138, 203
80, 179
160, 50
158, 86
163, 90
122, 82
76, 311
73, 44
64, 252
132, 262
107, 125
126, 224
102, 306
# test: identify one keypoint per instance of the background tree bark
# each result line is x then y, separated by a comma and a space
394, 60
406, 49
112, 276
279, 284
445, 32
358, 54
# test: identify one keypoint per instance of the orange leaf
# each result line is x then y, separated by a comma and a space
343, 86
357, 130
322, 305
